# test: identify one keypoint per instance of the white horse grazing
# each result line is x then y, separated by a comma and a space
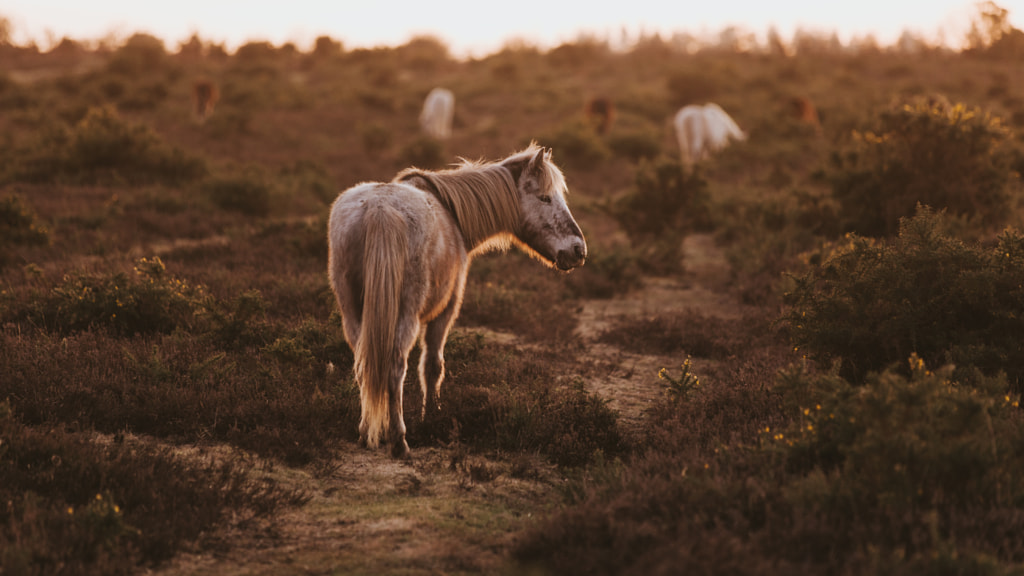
702, 130
398, 257
438, 110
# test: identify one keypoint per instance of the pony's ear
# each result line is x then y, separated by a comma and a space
536, 164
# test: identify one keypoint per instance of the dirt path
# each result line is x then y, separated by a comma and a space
628, 380
373, 515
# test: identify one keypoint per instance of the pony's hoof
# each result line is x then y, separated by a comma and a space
363, 443
400, 450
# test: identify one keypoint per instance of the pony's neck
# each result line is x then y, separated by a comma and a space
483, 200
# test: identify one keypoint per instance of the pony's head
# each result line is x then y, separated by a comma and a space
547, 228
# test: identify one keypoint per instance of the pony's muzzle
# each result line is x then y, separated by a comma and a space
573, 256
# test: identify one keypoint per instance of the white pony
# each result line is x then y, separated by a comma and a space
398, 257
702, 130
438, 110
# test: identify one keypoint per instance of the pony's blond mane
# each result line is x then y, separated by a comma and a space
481, 196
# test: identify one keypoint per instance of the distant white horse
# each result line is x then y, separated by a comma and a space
398, 257
438, 110
702, 130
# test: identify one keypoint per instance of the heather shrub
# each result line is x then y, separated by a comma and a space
423, 152
495, 398
310, 178
951, 158
241, 322
247, 192
141, 54
19, 226
664, 204
508, 292
608, 272
767, 237
901, 475
375, 138
691, 88
104, 148
578, 145
636, 144
151, 301
688, 332
870, 303
77, 506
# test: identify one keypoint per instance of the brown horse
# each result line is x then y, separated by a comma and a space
805, 112
599, 113
204, 97
398, 257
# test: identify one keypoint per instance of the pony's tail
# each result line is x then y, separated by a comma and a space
376, 354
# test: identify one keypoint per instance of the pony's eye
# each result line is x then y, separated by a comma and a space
545, 198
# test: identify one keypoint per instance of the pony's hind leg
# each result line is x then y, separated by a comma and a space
432, 358
396, 428
396, 380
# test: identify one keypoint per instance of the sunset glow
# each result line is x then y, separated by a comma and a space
474, 28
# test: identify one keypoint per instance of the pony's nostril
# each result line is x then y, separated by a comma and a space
580, 251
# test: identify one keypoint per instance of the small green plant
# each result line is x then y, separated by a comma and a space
679, 388
951, 158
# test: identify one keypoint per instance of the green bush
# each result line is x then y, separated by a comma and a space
947, 157
150, 302
104, 148
664, 205
871, 303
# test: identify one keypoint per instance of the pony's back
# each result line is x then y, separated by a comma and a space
721, 126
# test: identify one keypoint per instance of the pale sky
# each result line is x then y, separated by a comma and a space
478, 27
